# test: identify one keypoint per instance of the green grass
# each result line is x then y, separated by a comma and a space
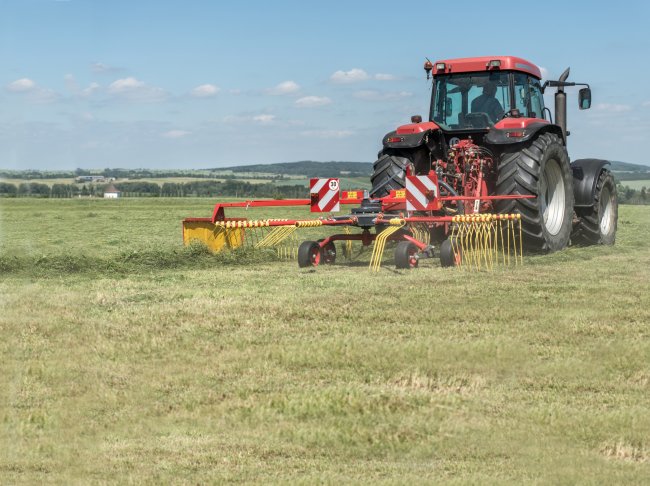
128, 359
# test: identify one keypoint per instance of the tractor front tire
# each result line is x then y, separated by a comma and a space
539, 168
388, 174
309, 254
597, 224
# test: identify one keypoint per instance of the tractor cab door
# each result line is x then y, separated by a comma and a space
528, 96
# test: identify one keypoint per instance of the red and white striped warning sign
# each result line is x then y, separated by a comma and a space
324, 195
422, 192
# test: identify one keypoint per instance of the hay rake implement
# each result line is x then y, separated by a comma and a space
420, 222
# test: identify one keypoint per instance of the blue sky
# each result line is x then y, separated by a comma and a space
195, 84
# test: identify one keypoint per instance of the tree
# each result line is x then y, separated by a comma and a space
8, 189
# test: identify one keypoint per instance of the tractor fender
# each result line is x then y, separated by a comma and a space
501, 134
407, 140
585, 177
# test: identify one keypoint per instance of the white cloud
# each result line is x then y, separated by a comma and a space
125, 85
264, 119
176, 134
101, 68
135, 90
373, 95
351, 76
90, 90
71, 83
44, 95
612, 107
284, 88
34, 93
646, 104
234, 92
327, 133
312, 101
385, 77
205, 91
544, 72
23, 85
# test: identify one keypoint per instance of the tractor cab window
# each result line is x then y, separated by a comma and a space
470, 100
528, 96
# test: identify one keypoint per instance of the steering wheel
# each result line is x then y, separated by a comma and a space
511, 113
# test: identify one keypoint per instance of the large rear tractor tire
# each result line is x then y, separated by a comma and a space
388, 174
597, 224
539, 168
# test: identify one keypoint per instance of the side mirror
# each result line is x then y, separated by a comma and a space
448, 107
584, 99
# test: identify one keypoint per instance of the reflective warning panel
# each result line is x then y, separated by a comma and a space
422, 192
324, 195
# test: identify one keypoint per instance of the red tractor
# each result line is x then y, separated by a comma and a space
489, 134
488, 160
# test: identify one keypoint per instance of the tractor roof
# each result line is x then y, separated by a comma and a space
474, 64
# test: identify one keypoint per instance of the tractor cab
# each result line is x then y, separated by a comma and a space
470, 101
478, 93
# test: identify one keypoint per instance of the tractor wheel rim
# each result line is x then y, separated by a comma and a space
606, 212
552, 197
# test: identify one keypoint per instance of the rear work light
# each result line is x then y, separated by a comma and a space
493, 64
440, 66
515, 134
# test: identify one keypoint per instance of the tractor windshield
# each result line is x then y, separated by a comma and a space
470, 100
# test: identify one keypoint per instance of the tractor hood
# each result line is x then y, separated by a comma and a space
409, 136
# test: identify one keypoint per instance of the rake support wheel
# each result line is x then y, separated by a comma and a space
450, 256
309, 254
405, 255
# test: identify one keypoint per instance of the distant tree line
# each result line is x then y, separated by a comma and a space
210, 188
282, 170
628, 195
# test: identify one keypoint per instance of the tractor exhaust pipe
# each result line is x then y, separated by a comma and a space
560, 104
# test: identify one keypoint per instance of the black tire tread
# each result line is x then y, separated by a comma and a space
389, 173
519, 172
587, 231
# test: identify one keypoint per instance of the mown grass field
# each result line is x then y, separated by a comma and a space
128, 359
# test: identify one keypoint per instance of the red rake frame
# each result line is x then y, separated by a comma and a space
400, 222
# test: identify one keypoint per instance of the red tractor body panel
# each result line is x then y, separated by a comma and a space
477, 64
416, 128
510, 123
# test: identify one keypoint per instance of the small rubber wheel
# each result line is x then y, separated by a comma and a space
308, 254
328, 253
405, 255
450, 256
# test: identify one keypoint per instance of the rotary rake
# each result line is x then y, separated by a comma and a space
418, 221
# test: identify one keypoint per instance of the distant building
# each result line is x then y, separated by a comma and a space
111, 192
90, 178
